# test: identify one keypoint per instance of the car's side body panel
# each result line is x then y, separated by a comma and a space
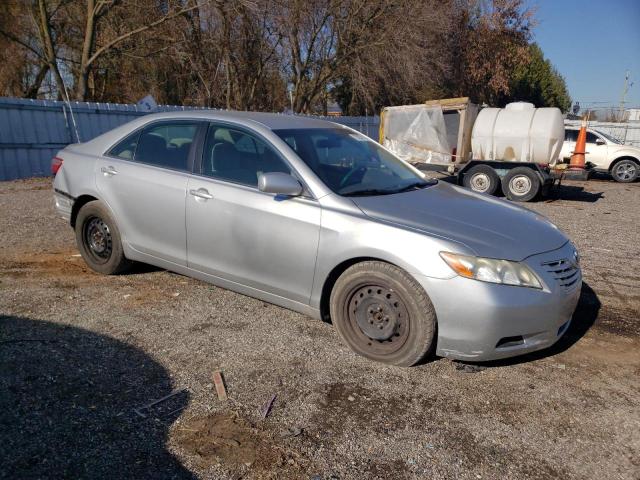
148, 203
253, 238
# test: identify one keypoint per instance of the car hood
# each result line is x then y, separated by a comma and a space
489, 226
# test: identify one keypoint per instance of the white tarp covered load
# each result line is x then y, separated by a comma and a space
416, 133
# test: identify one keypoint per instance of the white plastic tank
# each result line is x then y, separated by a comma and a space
518, 133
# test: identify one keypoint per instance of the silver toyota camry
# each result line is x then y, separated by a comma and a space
318, 218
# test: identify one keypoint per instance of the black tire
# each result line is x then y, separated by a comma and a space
481, 179
99, 241
521, 184
625, 171
382, 313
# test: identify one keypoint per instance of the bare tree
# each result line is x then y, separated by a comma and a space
265, 54
490, 42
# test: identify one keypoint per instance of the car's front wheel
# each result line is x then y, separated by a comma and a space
98, 239
382, 313
625, 171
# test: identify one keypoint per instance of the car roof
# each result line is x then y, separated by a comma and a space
273, 121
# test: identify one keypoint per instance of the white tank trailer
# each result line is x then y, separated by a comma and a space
518, 133
512, 148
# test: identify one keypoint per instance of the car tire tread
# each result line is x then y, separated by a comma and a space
423, 317
117, 262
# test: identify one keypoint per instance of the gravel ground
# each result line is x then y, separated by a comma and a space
79, 353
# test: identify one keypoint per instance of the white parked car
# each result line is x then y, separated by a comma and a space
607, 154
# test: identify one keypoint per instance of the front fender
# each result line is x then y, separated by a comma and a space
624, 152
344, 237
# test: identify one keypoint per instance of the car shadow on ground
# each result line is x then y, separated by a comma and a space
139, 268
67, 407
583, 318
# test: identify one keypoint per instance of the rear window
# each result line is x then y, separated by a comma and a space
126, 148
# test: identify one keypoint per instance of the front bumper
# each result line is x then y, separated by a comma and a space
482, 321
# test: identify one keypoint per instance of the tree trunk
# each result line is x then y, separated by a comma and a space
50, 53
34, 88
87, 48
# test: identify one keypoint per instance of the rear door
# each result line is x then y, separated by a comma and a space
243, 235
144, 179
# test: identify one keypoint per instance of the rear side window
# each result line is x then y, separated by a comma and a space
166, 145
126, 148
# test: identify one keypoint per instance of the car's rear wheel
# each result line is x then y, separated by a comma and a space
99, 241
625, 171
382, 313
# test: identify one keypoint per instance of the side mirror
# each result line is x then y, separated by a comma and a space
599, 141
279, 183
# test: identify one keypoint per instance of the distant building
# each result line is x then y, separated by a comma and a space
334, 110
633, 114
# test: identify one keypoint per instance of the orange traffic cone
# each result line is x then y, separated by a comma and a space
577, 159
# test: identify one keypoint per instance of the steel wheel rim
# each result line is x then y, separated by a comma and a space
480, 182
378, 319
625, 170
97, 239
520, 184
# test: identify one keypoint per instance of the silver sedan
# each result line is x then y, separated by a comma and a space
318, 218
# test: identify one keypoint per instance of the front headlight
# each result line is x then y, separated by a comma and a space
491, 270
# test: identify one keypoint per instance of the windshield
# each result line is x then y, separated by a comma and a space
608, 137
351, 164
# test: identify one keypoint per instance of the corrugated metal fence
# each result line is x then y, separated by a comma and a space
32, 131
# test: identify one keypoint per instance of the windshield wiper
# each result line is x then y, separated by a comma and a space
414, 186
368, 192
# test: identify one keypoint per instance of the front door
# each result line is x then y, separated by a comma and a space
596, 149
243, 235
143, 179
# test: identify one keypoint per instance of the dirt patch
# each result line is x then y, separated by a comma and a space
63, 264
342, 405
219, 438
148, 294
619, 321
228, 439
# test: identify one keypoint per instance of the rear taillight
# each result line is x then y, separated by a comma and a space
56, 164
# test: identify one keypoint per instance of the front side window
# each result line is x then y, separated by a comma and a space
570, 135
591, 138
236, 156
166, 145
351, 164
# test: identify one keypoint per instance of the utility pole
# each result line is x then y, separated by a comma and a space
624, 96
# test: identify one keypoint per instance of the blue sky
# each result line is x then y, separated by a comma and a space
592, 43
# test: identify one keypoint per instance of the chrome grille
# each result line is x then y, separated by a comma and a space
566, 272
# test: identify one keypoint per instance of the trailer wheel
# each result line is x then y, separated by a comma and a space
482, 179
521, 184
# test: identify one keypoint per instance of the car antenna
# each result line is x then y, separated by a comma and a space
73, 117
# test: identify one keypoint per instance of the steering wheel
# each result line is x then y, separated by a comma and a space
351, 173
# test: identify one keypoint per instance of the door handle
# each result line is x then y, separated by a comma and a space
201, 193
109, 171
